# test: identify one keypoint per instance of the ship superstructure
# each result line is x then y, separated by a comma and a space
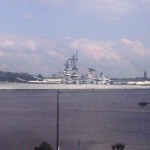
90, 77
70, 74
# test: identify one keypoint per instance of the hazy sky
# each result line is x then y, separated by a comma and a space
112, 36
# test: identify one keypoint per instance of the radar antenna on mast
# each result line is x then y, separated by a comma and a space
76, 55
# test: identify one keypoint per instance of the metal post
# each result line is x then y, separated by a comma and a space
79, 145
57, 138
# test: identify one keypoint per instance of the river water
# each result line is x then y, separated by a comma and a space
98, 118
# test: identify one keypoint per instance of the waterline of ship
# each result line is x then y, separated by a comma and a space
9, 85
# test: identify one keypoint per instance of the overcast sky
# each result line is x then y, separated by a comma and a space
112, 36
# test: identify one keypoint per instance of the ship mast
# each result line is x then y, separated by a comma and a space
73, 61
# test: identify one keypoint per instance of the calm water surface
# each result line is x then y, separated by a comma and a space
98, 118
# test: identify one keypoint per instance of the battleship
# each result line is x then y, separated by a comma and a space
70, 75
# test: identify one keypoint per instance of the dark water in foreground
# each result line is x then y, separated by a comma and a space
97, 118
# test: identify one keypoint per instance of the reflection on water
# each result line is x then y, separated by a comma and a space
98, 118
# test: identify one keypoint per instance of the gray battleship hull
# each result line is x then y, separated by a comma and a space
11, 86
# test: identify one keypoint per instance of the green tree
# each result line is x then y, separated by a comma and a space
44, 146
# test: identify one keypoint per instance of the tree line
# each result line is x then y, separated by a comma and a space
12, 76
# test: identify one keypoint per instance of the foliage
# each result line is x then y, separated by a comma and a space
118, 146
44, 146
12, 76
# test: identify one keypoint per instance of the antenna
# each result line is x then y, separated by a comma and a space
76, 55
